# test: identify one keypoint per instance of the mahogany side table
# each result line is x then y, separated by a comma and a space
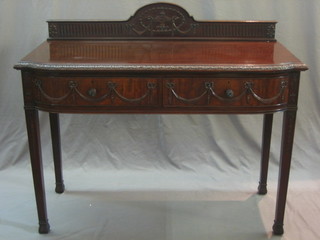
159, 61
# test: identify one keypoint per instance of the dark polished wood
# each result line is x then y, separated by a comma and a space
265, 153
161, 55
165, 21
161, 61
32, 121
56, 149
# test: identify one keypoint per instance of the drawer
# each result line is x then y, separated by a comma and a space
233, 92
96, 91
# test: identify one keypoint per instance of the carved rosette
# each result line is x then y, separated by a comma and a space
53, 30
271, 29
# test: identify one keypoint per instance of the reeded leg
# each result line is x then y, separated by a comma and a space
56, 148
266, 140
32, 121
289, 119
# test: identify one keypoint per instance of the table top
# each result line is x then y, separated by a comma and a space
161, 55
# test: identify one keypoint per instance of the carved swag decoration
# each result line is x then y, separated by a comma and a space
208, 92
228, 94
91, 95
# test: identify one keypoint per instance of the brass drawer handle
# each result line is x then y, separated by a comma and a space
92, 92
229, 93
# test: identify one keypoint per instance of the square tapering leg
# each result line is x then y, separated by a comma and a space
56, 149
32, 121
265, 154
289, 119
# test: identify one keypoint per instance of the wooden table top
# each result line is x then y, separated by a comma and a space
161, 55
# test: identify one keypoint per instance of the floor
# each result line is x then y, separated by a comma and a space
157, 205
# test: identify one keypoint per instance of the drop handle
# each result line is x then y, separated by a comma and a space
229, 93
92, 92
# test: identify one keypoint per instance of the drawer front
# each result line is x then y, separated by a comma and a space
96, 91
233, 92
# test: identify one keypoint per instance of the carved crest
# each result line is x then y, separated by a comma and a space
162, 19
